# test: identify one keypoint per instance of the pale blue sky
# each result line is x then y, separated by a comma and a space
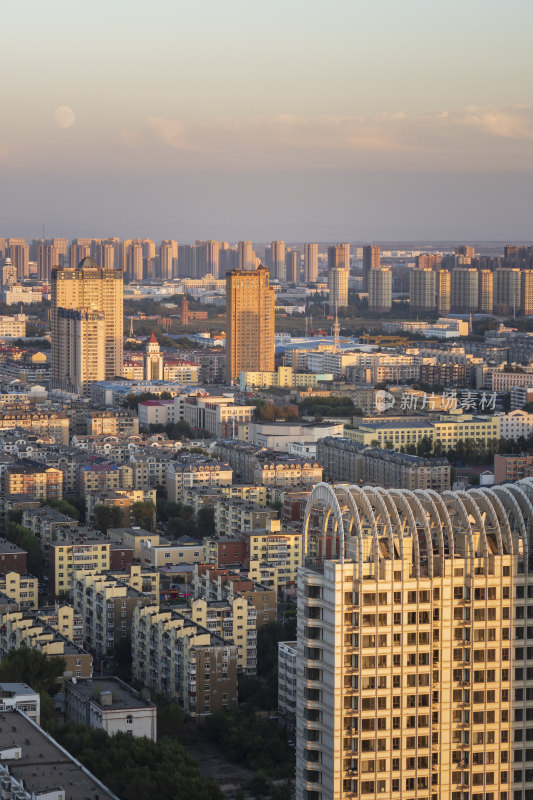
235, 118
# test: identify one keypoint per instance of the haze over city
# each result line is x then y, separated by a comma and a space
295, 120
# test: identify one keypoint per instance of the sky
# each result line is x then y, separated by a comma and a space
360, 120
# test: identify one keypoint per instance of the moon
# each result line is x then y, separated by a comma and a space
64, 117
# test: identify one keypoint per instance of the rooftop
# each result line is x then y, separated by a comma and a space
43, 764
122, 695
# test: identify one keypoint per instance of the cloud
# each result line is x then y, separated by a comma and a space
170, 131
508, 123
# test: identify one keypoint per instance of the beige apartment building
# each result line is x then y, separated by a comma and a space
51, 423
380, 290
234, 621
250, 322
87, 325
412, 664
213, 583
422, 290
338, 288
23, 589
173, 655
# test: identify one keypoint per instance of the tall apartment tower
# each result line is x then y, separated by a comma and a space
339, 256
246, 256
87, 325
422, 290
526, 306
310, 262
292, 266
250, 315
465, 250
429, 260
507, 290
47, 258
106, 254
443, 281
207, 259
486, 291
380, 290
134, 263
338, 288
78, 250
371, 260
19, 253
413, 651
277, 256
168, 259
464, 289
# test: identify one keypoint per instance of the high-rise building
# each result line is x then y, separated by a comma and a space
187, 260
168, 259
371, 260
507, 289
464, 289
380, 290
443, 281
78, 250
246, 256
339, 256
422, 290
338, 289
153, 361
87, 325
526, 306
207, 262
277, 259
486, 291
9, 274
18, 251
250, 321
310, 262
429, 260
47, 258
134, 264
292, 266
465, 250
106, 254
412, 665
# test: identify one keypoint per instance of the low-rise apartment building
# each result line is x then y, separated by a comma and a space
12, 558
23, 589
171, 553
287, 471
511, 468
53, 423
234, 517
68, 557
114, 422
111, 705
173, 655
196, 471
33, 479
22, 697
213, 583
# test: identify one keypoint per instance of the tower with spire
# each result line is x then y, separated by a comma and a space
153, 361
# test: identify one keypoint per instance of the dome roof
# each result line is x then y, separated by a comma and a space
87, 262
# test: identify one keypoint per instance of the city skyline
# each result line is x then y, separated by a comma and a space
306, 122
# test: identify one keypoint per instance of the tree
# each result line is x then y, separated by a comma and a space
143, 514
63, 506
38, 671
23, 537
108, 517
206, 521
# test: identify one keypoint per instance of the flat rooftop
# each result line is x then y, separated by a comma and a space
123, 695
44, 764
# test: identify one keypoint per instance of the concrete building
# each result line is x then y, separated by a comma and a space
422, 290
219, 415
443, 287
407, 679
167, 553
153, 361
215, 583
13, 327
287, 658
516, 424
310, 262
20, 696
67, 557
234, 621
486, 291
23, 589
12, 558
87, 325
51, 423
344, 460
511, 468
464, 287
371, 260
33, 479
195, 471
173, 655
337, 288
448, 429
250, 322
507, 290
60, 776
111, 705
380, 290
